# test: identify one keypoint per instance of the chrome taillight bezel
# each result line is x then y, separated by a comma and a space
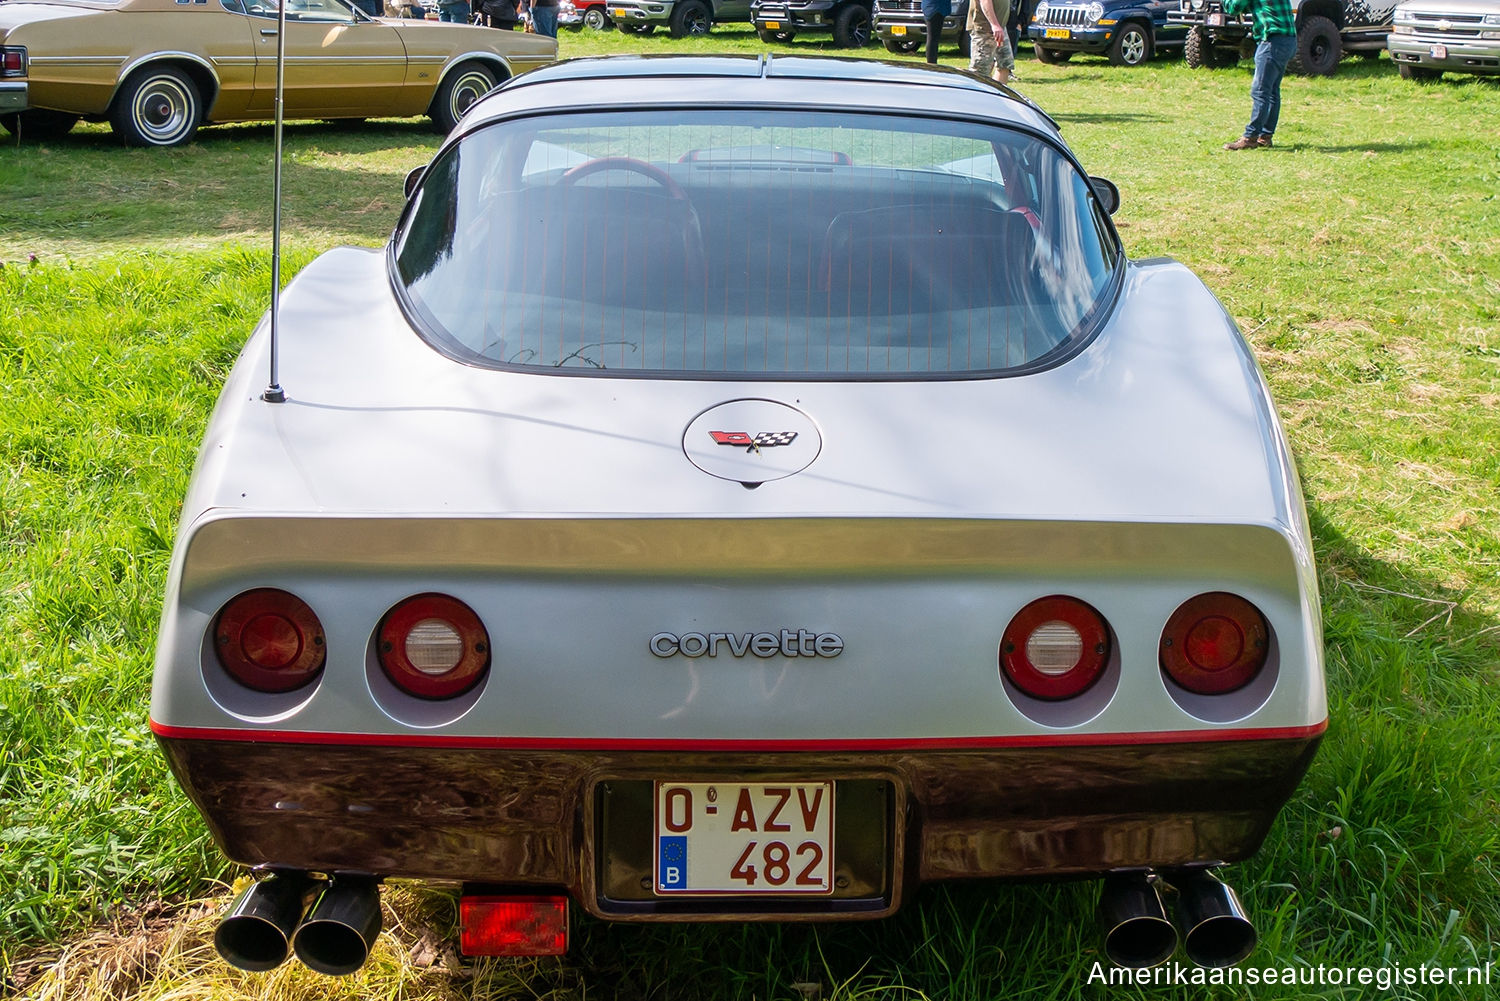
7, 70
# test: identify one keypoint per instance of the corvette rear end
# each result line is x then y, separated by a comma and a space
696, 606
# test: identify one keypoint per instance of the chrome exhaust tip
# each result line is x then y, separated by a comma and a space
255, 934
1216, 931
1137, 933
341, 926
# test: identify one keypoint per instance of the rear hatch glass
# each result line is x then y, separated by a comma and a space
754, 243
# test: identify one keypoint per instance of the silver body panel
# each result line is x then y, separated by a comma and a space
1146, 469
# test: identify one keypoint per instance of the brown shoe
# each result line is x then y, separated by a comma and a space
1264, 142
1243, 142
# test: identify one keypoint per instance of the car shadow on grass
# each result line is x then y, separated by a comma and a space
1113, 118
86, 192
401, 132
1409, 146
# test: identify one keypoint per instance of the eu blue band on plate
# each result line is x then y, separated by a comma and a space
671, 862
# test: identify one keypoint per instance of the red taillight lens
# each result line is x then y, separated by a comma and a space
1214, 643
1055, 647
13, 61
433, 646
513, 926
269, 640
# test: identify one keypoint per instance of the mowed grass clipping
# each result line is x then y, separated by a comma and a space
1361, 257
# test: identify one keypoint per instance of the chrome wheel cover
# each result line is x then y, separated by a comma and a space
162, 110
467, 89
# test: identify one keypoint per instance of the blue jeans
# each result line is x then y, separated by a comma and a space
454, 11
544, 20
1271, 57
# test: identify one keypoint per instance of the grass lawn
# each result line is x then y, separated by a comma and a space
1361, 257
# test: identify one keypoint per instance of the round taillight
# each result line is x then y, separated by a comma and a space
433, 646
1055, 648
269, 640
1214, 643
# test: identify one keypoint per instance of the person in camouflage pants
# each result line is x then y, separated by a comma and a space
989, 42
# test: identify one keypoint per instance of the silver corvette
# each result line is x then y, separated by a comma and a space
743, 489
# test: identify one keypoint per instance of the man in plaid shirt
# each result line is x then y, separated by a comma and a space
1275, 30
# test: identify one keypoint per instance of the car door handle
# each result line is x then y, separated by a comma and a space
268, 31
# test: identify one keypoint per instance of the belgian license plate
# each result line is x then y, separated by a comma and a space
1215, 20
743, 838
898, 29
1059, 33
1439, 52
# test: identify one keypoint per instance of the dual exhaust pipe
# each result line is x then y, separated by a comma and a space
273, 918
1215, 929
334, 933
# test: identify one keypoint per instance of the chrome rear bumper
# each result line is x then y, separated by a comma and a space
13, 97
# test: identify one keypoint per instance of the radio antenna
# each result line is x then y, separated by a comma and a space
274, 392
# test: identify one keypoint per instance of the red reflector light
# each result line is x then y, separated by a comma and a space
1214, 643
1055, 647
13, 61
433, 646
513, 926
269, 640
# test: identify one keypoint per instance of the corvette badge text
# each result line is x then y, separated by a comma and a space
787, 643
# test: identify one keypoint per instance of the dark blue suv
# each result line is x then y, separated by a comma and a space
1128, 31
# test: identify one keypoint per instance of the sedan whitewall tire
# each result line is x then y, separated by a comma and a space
157, 106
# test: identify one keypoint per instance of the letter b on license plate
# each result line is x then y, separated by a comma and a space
716, 838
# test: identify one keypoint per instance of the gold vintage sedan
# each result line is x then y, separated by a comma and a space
157, 69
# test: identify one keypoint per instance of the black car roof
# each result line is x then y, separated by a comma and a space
903, 87
763, 65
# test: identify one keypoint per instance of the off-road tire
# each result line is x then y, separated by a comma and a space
457, 93
690, 19
1421, 74
38, 124
1132, 45
1198, 49
595, 18
851, 27
156, 106
965, 44
1051, 56
1319, 48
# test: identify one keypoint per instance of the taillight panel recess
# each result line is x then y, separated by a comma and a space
269, 640
1215, 643
1055, 648
433, 646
